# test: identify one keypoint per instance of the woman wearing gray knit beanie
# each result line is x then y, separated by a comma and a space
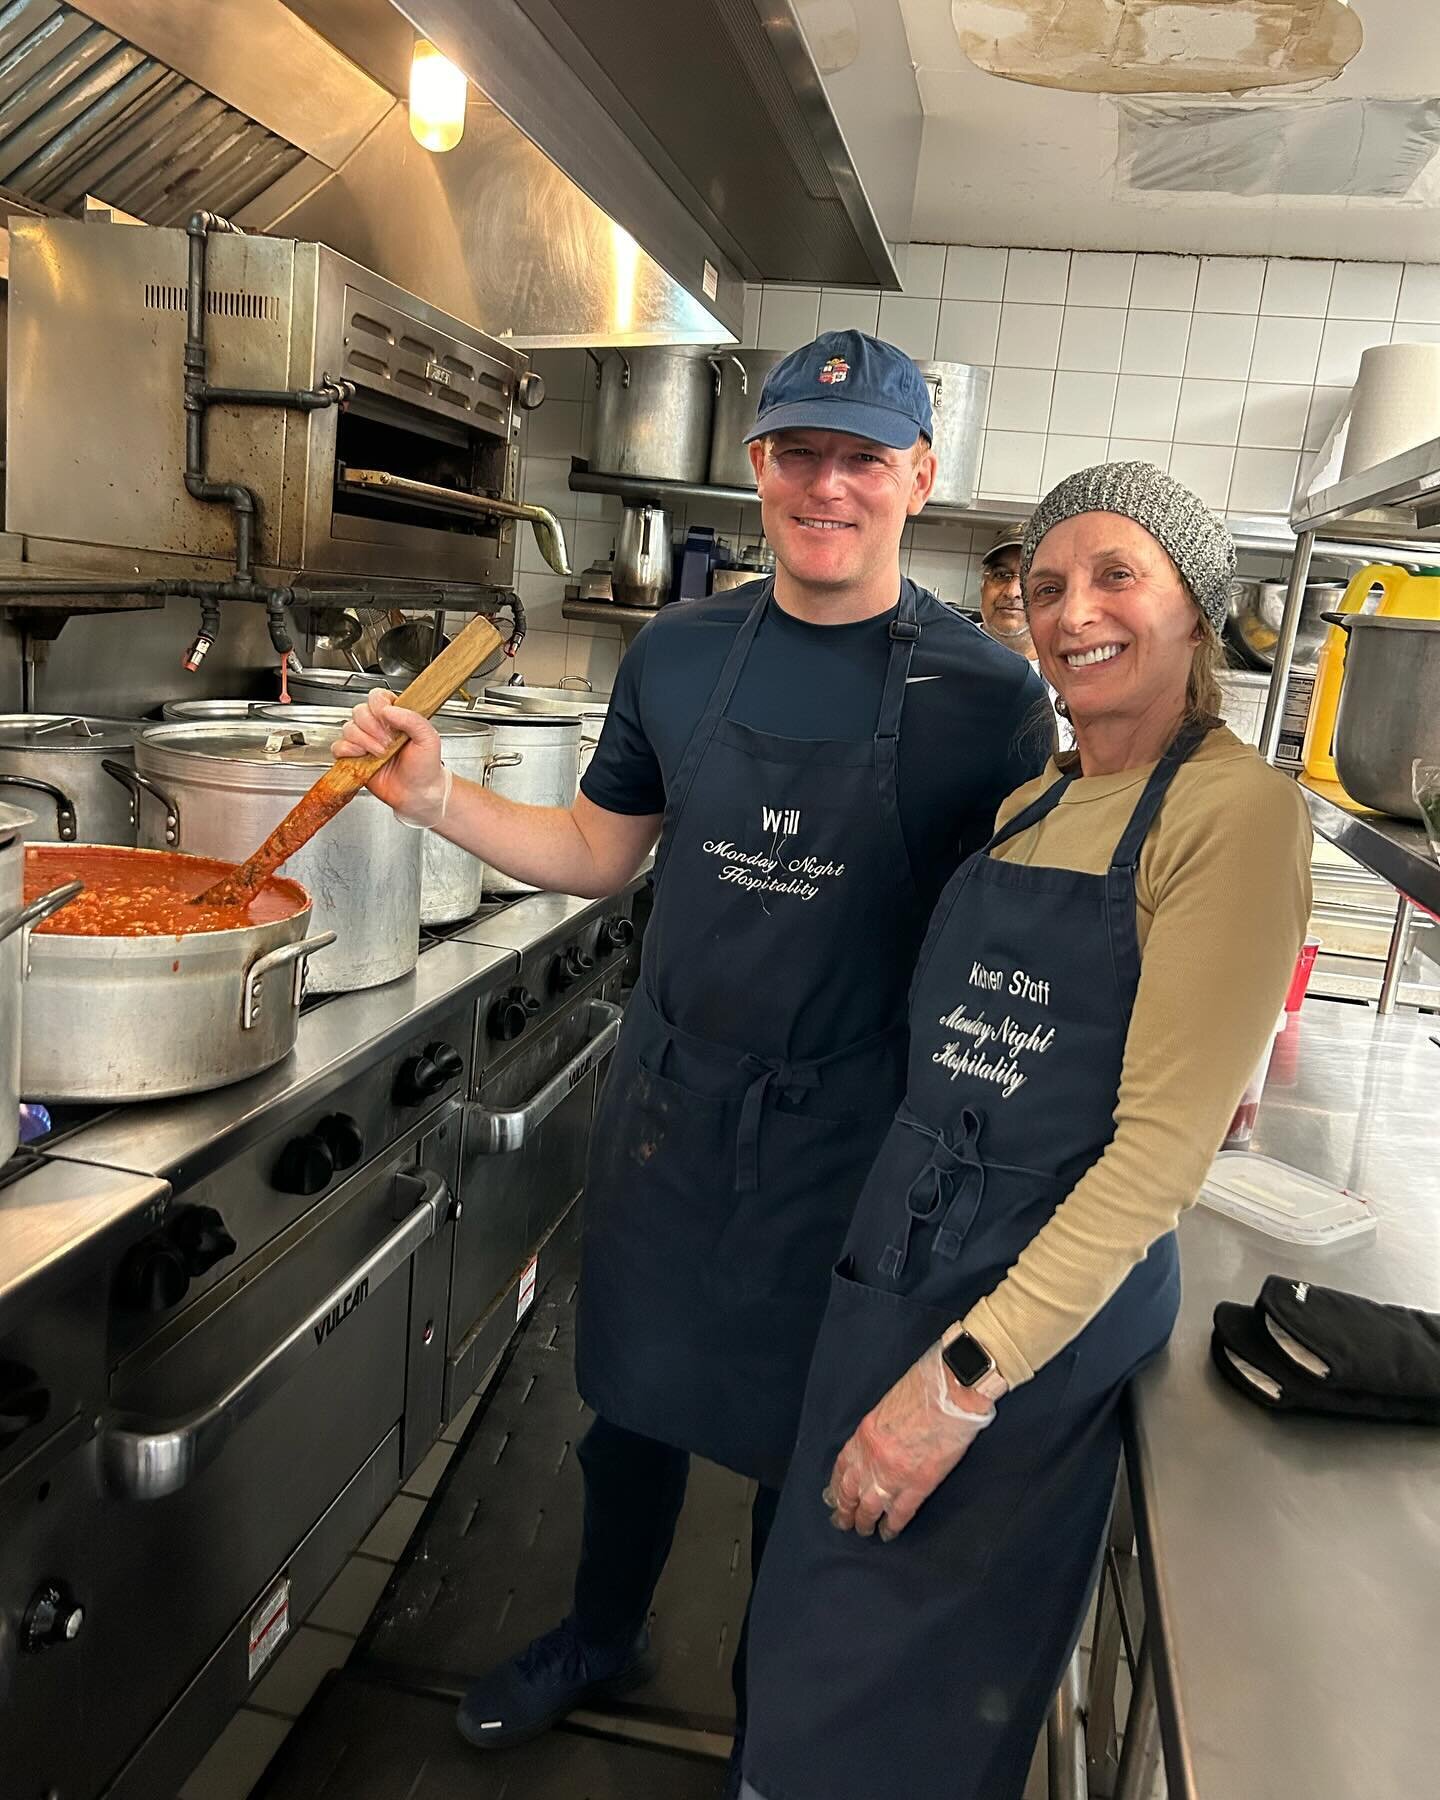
1096, 987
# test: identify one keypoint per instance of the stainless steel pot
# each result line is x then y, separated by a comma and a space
1255, 612
1389, 708
537, 761
651, 414
452, 881
15, 919
221, 789
54, 764
146, 1018
590, 708
643, 559
739, 377
959, 393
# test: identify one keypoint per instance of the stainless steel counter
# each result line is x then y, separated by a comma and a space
1292, 1565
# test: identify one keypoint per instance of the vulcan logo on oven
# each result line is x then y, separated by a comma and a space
787, 822
342, 1310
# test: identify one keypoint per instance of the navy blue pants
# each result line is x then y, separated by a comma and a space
634, 1489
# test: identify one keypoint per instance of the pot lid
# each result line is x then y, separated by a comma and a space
213, 709
514, 719
256, 741
331, 719
65, 731
1379, 622
337, 678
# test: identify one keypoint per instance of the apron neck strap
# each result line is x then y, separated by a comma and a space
904, 635
1132, 839
1039, 808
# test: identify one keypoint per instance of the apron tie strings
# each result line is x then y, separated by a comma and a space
793, 1080
928, 1191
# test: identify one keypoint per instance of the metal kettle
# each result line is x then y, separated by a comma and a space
643, 563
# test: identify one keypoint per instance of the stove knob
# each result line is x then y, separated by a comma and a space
304, 1166
423, 1076
531, 390
616, 934
343, 1138
199, 1234
574, 965
23, 1402
52, 1617
511, 1013
153, 1276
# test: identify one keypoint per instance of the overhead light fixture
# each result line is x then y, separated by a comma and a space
437, 98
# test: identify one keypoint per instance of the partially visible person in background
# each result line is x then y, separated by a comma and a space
1002, 613
1002, 604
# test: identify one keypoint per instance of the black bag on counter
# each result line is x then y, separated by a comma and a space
1303, 1348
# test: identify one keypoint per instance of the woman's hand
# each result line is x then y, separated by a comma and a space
414, 782
904, 1449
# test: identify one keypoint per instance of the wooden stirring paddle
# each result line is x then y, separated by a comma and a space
426, 694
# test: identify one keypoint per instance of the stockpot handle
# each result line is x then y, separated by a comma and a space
144, 1460
579, 681
254, 981
600, 367
138, 784
64, 805
716, 364
503, 1129
512, 759
36, 910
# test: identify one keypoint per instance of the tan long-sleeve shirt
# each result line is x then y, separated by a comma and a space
1222, 901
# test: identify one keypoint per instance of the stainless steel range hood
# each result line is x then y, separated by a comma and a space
627, 164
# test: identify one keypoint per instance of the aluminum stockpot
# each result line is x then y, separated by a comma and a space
651, 413
149, 1018
15, 916
739, 376
958, 396
70, 770
537, 761
452, 881
220, 789
590, 708
1389, 708
1256, 608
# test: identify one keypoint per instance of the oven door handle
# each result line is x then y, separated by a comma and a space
143, 1460
501, 1129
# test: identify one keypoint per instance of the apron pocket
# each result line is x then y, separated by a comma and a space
869, 1339
783, 1239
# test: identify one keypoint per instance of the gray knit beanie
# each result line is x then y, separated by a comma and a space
1194, 539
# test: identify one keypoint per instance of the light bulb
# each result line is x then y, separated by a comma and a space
437, 98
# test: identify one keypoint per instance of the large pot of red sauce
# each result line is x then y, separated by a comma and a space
135, 993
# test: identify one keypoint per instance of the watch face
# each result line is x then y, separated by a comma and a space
967, 1360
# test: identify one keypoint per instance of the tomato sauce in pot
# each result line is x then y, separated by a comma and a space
146, 893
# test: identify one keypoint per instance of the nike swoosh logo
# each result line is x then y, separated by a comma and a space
910, 680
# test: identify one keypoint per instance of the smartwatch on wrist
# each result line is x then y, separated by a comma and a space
973, 1366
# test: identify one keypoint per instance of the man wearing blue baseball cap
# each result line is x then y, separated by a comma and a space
814, 751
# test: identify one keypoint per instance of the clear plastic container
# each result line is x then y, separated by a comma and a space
1242, 1126
1284, 1202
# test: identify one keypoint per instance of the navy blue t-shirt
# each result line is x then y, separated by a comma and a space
972, 730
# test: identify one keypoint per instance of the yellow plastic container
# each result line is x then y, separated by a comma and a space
1405, 596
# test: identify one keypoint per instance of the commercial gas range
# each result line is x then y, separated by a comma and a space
231, 1325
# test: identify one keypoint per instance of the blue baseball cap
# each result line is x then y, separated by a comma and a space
846, 381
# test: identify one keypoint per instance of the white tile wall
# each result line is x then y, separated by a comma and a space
1225, 369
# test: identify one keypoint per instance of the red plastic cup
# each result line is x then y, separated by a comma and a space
1300, 980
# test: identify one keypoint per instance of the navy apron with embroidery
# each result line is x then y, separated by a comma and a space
761, 1060
924, 1667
